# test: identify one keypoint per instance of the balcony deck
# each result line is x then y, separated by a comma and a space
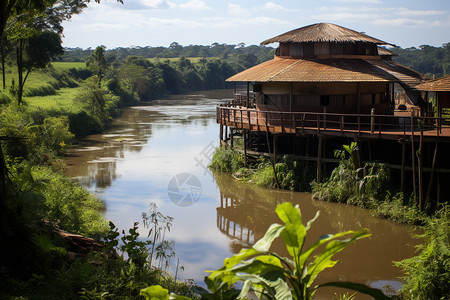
369, 126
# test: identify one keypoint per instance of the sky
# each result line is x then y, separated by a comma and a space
405, 23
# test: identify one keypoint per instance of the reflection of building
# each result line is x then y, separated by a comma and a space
245, 211
327, 86
240, 229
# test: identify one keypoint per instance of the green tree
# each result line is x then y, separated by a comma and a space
98, 64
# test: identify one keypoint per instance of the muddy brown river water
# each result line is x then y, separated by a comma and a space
157, 153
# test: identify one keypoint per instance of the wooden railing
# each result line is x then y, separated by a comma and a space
301, 122
241, 100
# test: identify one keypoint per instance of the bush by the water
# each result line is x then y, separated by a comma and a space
353, 185
227, 160
292, 175
428, 273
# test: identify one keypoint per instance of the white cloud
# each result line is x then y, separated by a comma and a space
408, 12
359, 1
223, 22
407, 22
195, 5
156, 4
343, 16
276, 7
237, 10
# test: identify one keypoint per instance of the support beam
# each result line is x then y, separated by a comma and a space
244, 143
413, 157
420, 166
433, 165
402, 174
319, 159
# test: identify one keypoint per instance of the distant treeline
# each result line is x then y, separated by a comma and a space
246, 55
429, 60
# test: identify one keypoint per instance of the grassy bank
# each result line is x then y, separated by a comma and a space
35, 262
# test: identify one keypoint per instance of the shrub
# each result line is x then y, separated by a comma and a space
82, 124
353, 186
428, 273
227, 160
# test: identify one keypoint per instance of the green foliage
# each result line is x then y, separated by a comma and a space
272, 276
45, 194
40, 142
283, 277
396, 209
98, 64
227, 160
97, 102
426, 59
428, 273
353, 185
40, 91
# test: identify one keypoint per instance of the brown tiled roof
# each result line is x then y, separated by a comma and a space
324, 70
384, 51
402, 73
436, 85
324, 32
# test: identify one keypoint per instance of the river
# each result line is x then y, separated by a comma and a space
152, 149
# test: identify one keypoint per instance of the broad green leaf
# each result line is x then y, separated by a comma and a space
261, 246
295, 232
323, 260
308, 225
327, 238
362, 288
155, 292
274, 284
245, 289
177, 297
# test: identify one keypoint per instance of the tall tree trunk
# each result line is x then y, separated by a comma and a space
3, 64
19, 56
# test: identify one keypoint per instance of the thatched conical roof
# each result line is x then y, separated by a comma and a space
324, 32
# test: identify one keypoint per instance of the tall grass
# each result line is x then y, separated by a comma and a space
227, 160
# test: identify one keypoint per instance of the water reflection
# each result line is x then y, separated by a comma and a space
131, 165
245, 212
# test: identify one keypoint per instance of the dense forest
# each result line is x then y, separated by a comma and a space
429, 60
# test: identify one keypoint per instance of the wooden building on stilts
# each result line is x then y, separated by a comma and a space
327, 86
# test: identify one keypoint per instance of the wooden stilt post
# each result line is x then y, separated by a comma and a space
220, 135
324, 154
231, 138
319, 159
413, 157
402, 179
244, 142
226, 135
274, 160
420, 166
430, 183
